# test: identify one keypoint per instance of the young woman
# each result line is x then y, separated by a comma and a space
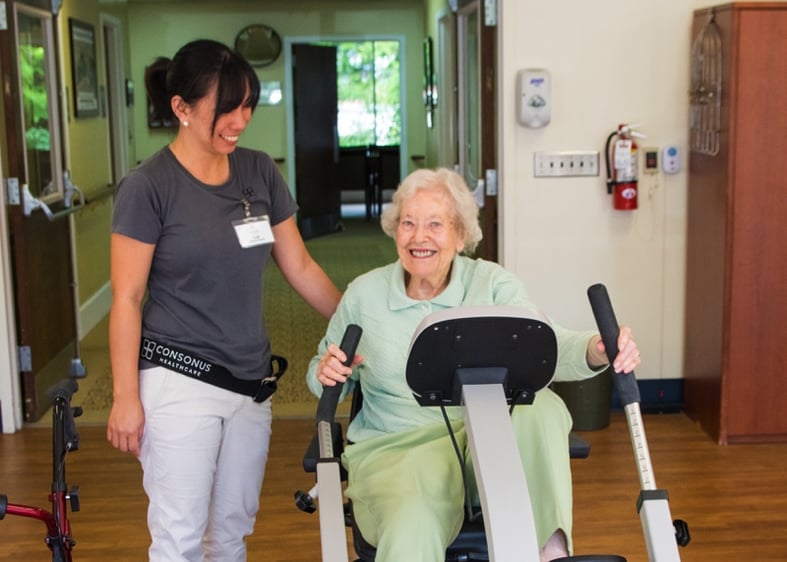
193, 229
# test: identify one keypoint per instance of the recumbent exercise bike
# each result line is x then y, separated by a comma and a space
487, 359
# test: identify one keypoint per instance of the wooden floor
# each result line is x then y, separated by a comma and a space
734, 498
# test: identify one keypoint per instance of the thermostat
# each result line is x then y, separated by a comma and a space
670, 159
651, 160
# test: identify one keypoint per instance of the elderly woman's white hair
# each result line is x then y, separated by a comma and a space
465, 206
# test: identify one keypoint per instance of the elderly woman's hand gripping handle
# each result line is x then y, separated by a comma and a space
333, 370
625, 381
619, 346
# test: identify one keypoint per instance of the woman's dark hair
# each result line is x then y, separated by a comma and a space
194, 70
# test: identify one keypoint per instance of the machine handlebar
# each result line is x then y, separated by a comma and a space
625, 384
326, 408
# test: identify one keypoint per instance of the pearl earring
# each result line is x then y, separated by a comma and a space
185, 123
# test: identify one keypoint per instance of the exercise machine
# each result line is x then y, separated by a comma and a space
489, 359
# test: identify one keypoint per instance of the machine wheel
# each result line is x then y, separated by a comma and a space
591, 558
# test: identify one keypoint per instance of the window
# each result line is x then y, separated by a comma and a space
368, 90
39, 102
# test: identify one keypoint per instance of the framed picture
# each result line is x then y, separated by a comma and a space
83, 68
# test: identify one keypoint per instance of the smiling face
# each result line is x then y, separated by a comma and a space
221, 138
427, 241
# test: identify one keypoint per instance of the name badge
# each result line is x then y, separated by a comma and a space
253, 231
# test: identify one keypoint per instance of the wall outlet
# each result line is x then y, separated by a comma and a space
565, 163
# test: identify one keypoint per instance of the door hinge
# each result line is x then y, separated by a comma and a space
3, 17
490, 13
12, 191
491, 182
25, 359
479, 193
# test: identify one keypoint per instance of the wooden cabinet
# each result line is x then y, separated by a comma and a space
736, 291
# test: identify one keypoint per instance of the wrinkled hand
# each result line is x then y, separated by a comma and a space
125, 425
628, 353
331, 368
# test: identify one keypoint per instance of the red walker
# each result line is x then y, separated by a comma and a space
64, 439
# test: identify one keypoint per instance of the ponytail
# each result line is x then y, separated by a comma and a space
156, 88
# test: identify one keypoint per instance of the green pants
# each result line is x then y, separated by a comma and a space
407, 490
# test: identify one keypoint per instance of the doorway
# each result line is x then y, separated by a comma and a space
38, 231
476, 34
316, 141
325, 192
119, 96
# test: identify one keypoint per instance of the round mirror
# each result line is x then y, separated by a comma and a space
260, 44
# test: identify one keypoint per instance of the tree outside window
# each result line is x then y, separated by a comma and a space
368, 92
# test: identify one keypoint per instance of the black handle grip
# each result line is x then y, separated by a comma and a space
326, 408
626, 384
65, 389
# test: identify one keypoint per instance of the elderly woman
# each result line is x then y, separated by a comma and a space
404, 480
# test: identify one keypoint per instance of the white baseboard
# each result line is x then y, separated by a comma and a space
94, 310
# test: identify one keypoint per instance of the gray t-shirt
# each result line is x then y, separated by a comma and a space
204, 289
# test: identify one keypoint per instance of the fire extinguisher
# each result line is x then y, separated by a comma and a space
622, 163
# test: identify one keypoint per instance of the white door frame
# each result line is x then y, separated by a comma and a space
10, 391
111, 37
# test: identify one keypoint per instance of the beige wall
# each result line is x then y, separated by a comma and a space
611, 62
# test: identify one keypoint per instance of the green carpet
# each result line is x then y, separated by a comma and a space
294, 328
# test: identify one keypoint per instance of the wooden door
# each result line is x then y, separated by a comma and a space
477, 122
756, 260
40, 243
736, 216
316, 143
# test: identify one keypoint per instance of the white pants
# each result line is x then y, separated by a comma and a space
203, 455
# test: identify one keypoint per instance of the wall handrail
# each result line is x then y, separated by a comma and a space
31, 203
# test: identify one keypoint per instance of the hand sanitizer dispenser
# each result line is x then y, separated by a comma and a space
533, 99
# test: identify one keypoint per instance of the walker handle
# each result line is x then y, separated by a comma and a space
626, 384
64, 389
326, 408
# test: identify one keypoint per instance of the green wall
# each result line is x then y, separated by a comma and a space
159, 29
88, 151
